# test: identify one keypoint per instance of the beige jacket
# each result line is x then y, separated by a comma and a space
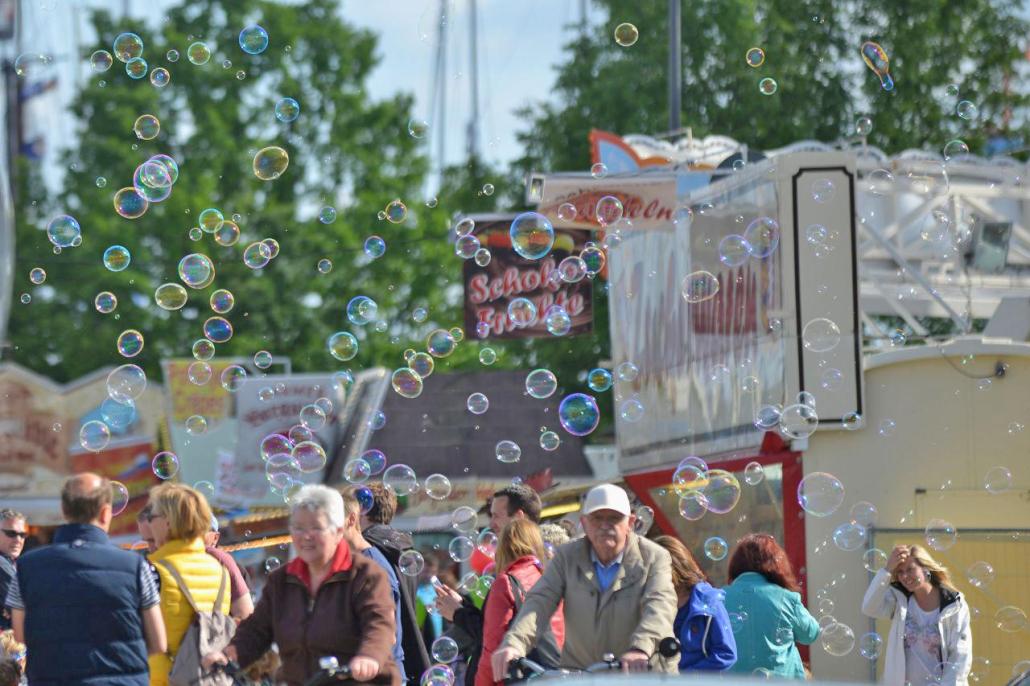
636, 611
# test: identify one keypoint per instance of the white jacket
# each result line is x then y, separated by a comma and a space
885, 601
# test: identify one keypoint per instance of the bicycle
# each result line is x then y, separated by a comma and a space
330, 672
521, 670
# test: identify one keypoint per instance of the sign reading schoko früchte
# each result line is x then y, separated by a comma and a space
490, 289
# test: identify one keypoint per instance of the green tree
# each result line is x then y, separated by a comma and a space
346, 151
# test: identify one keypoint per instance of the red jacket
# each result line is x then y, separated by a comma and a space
499, 611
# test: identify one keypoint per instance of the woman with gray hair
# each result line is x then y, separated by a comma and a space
327, 602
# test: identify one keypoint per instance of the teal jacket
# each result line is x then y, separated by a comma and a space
768, 620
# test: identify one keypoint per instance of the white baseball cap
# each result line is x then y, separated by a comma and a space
606, 497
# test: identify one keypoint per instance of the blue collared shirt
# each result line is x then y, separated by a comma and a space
606, 573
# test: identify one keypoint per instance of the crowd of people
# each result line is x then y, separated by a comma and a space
84, 611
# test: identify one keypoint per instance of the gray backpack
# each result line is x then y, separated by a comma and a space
207, 633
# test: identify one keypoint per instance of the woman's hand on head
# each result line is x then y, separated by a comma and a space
897, 558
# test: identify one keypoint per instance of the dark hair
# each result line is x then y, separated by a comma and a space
384, 503
521, 497
762, 554
10, 672
83, 507
8, 513
144, 514
685, 572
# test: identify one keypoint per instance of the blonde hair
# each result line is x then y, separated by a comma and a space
939, 575
187, 511
519, 538
9, 646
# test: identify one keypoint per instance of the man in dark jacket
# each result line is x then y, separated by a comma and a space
82, 580
376, 529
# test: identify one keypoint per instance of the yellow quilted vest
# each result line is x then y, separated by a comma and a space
202, 574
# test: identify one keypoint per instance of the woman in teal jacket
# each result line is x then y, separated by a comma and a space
765, 609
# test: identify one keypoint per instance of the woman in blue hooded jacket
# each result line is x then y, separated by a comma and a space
702, 624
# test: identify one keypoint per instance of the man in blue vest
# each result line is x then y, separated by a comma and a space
87, 610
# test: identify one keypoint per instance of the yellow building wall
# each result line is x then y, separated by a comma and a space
950, 429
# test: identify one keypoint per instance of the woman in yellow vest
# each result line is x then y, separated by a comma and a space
179, 518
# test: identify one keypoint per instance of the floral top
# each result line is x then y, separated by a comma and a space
922, 645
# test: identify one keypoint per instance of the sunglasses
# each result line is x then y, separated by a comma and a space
152, 517
11, 533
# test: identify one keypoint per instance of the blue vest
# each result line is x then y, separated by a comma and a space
82, 618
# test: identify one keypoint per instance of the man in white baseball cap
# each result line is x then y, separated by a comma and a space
617, 589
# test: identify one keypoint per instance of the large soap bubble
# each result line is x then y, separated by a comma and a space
820, 494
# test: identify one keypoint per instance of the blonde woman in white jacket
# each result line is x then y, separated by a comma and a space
930, 641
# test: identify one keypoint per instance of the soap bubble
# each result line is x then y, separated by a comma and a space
119, 498
198, 53
823, 190
401, 479
127, 46
849, 536
146, 127
598, 170
94, 435
486, 542
865, 513
126, 383
631, 410
721, 491
342, 345
136, 68
798, 421
406, 382
820, 335
754, 474
966, 110
734, 250
608, 210
196, 270
837, 639
1010, 619
160, 77
287, 110
716, 548
626, 34
477, 403
440, 343
395, 211
955, 148
693, 506
375, 247
998, 480
270, 163
464, 519
356, 471
550, 441
876, 59
874, 560
253, 40
699, 286
522, 312
755, 57
578, 414
101, 61
361, 310
599, 380
532, 235
165, 465
418, 128
217, 329
762, 236
820, 494
863, 126
541, 383
445, 649
437, 486
117, 258
130, 343
567, 212
627, 371
411, 563
507, 451
768, 86
63, 231
940, 535
980, 574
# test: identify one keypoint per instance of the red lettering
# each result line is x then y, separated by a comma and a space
478, 290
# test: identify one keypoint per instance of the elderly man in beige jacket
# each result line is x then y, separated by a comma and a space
617, 589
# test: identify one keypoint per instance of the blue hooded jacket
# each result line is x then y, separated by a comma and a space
703, 629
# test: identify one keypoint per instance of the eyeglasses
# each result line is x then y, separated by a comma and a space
11, 533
